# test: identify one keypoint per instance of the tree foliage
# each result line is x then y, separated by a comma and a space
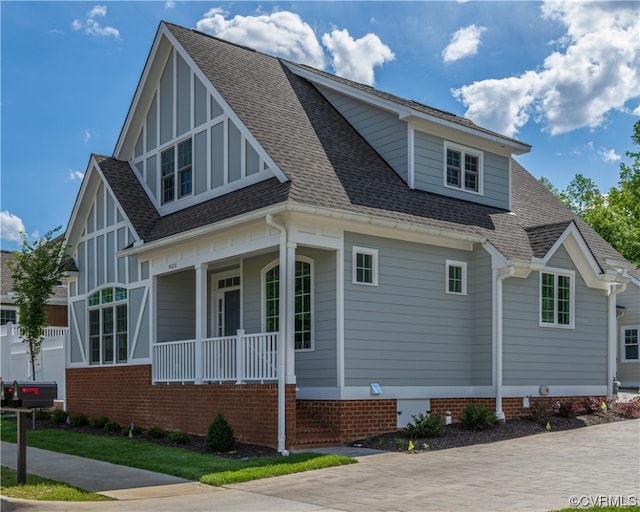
35, 271
615, 215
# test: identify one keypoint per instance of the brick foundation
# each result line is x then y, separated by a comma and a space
354, 419
125, 394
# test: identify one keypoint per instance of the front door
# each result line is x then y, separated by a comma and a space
228, 305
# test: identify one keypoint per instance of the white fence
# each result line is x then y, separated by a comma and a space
50, 363
240, 358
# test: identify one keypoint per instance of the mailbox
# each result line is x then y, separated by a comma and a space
30, 394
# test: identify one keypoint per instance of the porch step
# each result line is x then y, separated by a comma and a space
311, 433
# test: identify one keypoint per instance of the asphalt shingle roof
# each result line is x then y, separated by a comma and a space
328, 164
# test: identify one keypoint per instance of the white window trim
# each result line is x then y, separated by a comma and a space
464, 150
374, 264
263, 298
102, 306
176, 172
6, 307
572, 305
454, 263
623, 352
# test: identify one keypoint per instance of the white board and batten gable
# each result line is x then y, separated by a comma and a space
182, 139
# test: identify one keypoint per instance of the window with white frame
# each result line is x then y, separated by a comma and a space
8, 316
456, 277
463, 168
365, 266
630, 335
177, 175
557, 297
108, 331
303, 302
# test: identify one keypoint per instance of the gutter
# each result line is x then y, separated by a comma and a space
501, 274
614, 289
282, 430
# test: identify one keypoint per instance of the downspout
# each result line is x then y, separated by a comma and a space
501, 274
614, 289
282, 431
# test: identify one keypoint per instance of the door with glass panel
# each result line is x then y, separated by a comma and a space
227, 305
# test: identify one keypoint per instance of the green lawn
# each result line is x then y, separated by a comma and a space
179, 462
38, 488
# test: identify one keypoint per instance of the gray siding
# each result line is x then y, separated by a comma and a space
234, 152
80, 311
166, 103
136, 309
480, 292
407, 331
628, 372
200, 162
152, 175
429, 173
176, 304
383, 130
534, 355
183, 96
199, 102
316, 367
152, 124
217, 155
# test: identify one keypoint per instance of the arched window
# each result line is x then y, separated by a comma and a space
108, 332
303, 323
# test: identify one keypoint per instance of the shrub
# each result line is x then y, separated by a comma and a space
80, 420
220, 436
59, 416
628, 409
539, 414
564, 409
178, 437
112, 426
42, 414
100, 422
155, 432
477, 417
425, 425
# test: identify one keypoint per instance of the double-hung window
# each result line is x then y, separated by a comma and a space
630, 337
108, 332
463, 168
557, 298
303, 302
8, 316
365, 266
456, 281
176, 174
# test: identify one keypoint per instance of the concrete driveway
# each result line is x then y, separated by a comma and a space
595, 465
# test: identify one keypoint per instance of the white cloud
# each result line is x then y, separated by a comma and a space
93, 27
87, 135
608, 155
11, 227
75, 175
596, 71
356, 58
285, 34
169, 4
464, 43
282, 33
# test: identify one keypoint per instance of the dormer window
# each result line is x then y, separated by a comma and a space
463, 168
177, 174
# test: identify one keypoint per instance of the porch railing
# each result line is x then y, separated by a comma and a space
240, 358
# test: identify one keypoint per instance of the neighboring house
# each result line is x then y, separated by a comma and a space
290, 247
14, 356
629, 321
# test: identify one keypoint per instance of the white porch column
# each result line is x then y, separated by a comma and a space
201, 318
290, 318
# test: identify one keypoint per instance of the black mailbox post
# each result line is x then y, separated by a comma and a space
22, 398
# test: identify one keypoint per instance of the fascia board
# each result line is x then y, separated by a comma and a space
80, 198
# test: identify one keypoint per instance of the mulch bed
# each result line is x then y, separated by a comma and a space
454, 436
457, 435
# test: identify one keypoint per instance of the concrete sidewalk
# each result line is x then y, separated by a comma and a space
540, 472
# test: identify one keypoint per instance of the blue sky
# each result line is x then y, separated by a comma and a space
561, 76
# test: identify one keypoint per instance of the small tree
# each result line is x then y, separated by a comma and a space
36, 270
